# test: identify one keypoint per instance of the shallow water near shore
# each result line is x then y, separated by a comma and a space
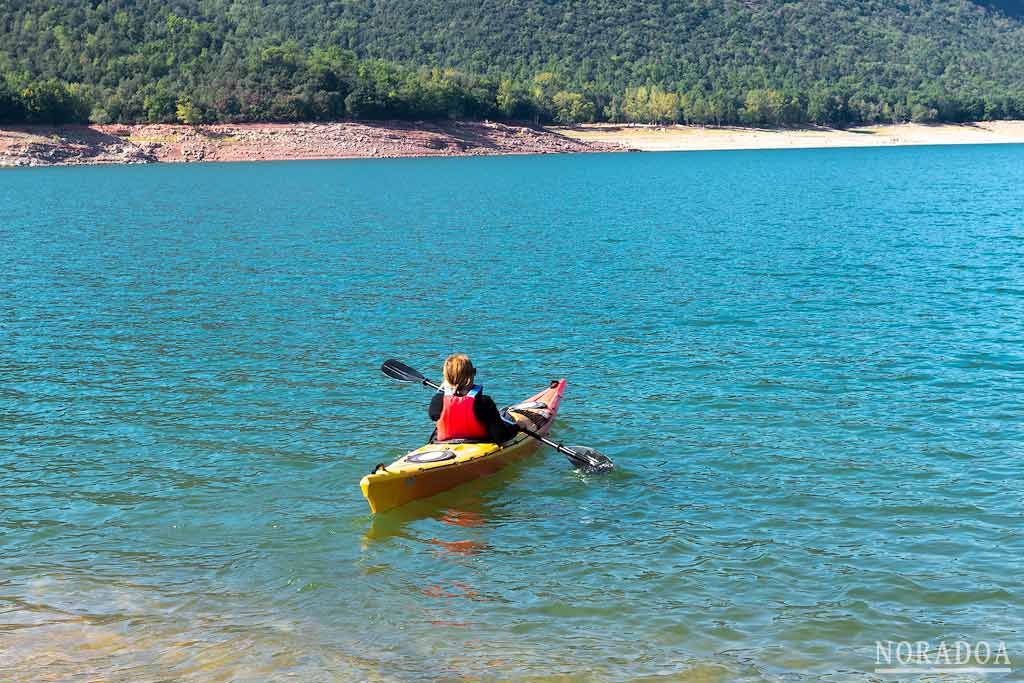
807, 365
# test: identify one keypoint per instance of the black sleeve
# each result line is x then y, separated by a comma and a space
498, 430
436, 406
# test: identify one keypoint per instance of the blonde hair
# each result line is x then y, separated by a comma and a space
459, 372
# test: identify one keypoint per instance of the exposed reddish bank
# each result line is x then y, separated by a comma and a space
119, 144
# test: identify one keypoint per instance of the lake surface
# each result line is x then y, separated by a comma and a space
808, 366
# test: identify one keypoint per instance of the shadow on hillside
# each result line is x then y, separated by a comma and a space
947, 124
470, 135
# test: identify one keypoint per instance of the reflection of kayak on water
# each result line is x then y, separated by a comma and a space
477, 504
437, 467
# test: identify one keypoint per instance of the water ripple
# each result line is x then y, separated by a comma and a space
807, 365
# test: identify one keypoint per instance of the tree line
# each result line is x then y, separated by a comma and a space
645, 61
328, 85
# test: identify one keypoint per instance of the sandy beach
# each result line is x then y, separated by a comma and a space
152, 143
692, 138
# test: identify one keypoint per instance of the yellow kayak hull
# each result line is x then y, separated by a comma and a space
414, 476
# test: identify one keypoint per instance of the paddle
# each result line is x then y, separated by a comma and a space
580, 456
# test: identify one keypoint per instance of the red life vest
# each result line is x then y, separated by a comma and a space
458, 420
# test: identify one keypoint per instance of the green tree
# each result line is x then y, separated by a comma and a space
50, 101
572, 107
364, 102
942, 60
695, 108
613, 110
922, 113
542, 94
160, 105
664, 106
187, 111
11, 109
513, 100
826, 108
722, 108
636, 105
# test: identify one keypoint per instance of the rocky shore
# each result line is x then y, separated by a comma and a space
136, 144
150, 143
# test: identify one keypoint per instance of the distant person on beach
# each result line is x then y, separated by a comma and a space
462, 411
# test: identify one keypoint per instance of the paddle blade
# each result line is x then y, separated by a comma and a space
589, 460
396, 369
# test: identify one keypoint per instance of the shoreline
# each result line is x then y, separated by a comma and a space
680, 138
73, 145
33, 146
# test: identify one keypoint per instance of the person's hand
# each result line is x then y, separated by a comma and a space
517, 421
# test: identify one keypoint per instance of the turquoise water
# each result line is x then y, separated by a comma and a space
807, 365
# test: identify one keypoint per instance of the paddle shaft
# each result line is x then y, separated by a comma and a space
548, 442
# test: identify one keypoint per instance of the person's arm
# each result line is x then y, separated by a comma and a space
436, 406
486, 411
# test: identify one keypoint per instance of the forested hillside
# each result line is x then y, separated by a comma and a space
700, 61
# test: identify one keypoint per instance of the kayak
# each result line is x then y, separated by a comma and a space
437, 467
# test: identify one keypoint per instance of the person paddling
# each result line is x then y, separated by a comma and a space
462, 411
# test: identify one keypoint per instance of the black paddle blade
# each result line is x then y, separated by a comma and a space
589, 460
396, 369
